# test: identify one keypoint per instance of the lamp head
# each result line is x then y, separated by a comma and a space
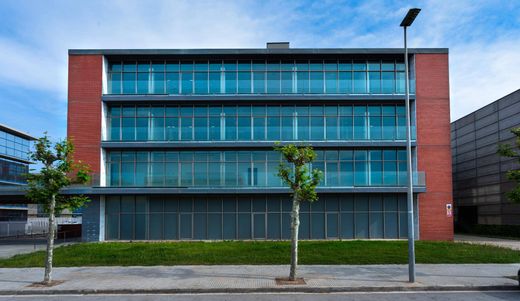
410, 17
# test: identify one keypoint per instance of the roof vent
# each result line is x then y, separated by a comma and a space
277, 45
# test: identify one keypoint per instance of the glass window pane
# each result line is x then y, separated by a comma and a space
201, 128
231, 128
345, 65
158, 83
346, 128
258, 82
316, 84
331, 82
172, 66
186, 174
374, 82
287, 82
317, 128
230, 174
172, 129
214, 82
129, 81
115, 83
143, 83
172, 83
375, 127
231, 82
360, 130
201, 83
387, 82
259, 128
187, 66
201, 66
115, 129
186, 128
244, 65
359, 66
116, 67
360, 177
273, 82
244, 82
214, 128
244, 128
303, 128
187, 82
158, 129
388, 128
200, 173
400, 83
244, 174
302, 82
360, 82
142, 129
332, 128
132, 67
128, 132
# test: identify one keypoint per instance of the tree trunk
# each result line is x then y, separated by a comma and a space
295, 225
47, 278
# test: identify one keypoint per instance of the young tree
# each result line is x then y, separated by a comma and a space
506, 150
302, 181
45, 187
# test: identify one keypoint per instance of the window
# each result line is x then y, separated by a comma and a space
254, 123
255, 76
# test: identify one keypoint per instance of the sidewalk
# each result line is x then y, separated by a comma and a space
229, 279
482, 240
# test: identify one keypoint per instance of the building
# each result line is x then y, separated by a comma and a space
479, 173
181, 140
14, 165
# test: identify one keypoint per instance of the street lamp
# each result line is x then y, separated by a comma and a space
407, 21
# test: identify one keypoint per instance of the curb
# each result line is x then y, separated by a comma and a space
260, 290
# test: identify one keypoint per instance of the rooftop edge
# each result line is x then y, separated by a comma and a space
241, 51
16, 132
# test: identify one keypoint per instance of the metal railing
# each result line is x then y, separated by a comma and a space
419, 180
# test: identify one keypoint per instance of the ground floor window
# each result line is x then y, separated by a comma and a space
348, 216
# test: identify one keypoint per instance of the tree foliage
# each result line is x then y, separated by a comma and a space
297, 174
59, 170
507, 150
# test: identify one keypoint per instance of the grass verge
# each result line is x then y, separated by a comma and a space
267, 252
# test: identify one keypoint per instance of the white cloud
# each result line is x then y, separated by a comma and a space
481, 74
484, 64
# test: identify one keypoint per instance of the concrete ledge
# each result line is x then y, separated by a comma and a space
285, 289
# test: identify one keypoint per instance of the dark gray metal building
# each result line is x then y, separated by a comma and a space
479, 173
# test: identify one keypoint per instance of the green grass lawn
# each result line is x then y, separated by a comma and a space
235, 252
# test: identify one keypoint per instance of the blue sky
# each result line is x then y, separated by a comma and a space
483, 37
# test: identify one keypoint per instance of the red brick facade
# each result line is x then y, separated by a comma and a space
84, 107
433, 145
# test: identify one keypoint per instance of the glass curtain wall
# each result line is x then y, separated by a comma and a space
14, 172
257, 77
229, 217
14, 146
343, 168
257, 123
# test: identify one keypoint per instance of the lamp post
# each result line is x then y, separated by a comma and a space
407, 21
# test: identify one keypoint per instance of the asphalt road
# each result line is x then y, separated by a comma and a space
390, 296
